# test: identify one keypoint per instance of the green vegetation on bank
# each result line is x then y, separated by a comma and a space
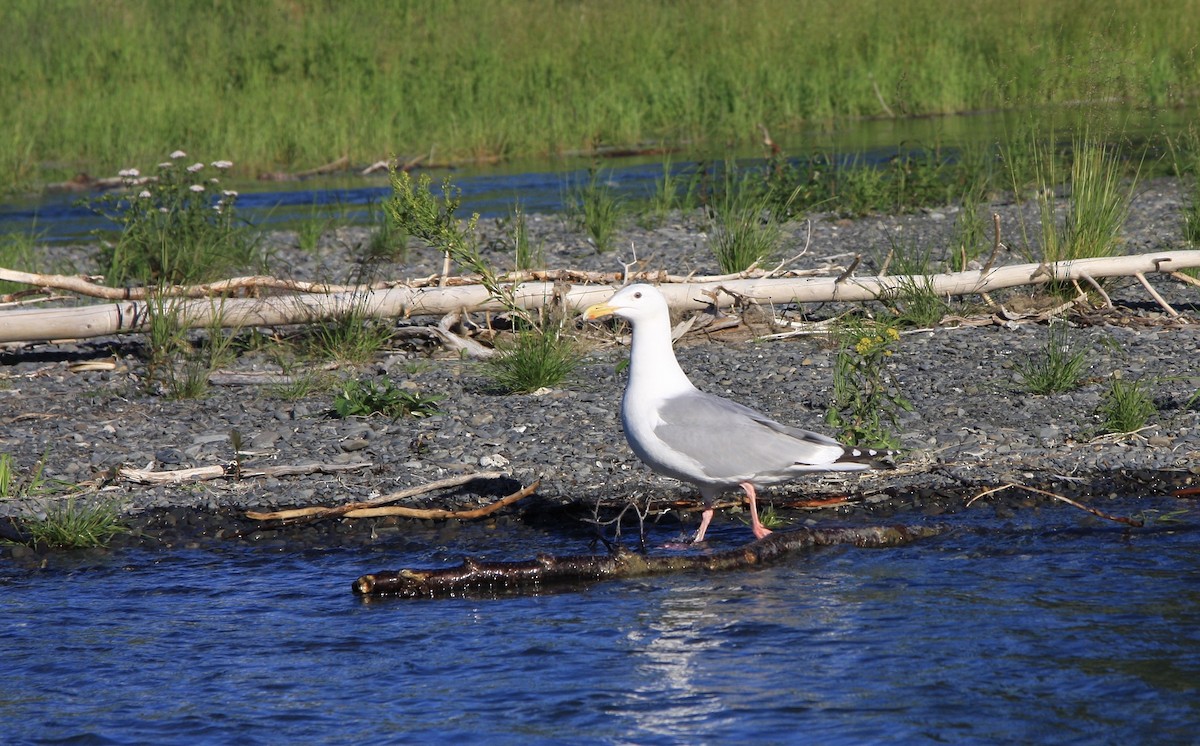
280, 83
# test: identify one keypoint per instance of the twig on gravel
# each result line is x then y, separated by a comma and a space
1094, 511
370, 508
221, 471
1154, 294
1186, 278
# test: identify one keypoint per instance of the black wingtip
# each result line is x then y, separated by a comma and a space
874, 457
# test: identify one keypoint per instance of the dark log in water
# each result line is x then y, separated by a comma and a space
475, 578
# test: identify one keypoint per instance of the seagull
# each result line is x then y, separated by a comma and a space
707, 440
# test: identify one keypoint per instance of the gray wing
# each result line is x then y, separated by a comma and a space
730, 440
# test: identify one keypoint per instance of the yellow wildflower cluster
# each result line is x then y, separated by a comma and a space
868, 344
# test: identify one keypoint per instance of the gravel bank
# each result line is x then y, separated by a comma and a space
972, 425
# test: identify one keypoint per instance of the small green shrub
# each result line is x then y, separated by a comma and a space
866, 400
1126, 406
1059, 368
535, 358
363, 398
176, 227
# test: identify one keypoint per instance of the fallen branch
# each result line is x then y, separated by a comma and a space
32, 324
90, 286
358, 509
1087, 508
230, 471
341, 164
478, 578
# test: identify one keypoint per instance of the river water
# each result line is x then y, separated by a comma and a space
1046, 627
545, 186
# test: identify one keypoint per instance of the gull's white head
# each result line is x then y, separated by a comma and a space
633, 303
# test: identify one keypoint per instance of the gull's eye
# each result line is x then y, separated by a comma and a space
637, 295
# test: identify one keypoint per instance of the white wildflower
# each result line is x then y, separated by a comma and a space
229, 193
222, 164
197, 187
163, 210
178, 154
144, 194
195, 167
165, 164
129, 173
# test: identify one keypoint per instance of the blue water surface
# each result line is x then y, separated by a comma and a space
1050, 631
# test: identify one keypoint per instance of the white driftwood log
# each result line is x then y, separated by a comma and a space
35, 324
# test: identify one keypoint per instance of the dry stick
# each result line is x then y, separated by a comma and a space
88, 285
218, 471
886, 109
1154, 294
323, 512
441, 514
1096, 286
845, 275
1186, 278
1094, 511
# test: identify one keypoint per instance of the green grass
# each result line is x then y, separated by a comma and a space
350, 336
1125, 406
744, 230
94, 87
535, 358
76, 523
1097, 206
17, 252
1059, 368
14, 484
597, 209
526, 253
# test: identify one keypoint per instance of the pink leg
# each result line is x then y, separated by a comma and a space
760, 531
705, 519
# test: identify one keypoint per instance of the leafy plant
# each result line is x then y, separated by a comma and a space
1125, 406
76, 524
535, 358
541, 355
176, 227
363, 398
1059, 368
866, 400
